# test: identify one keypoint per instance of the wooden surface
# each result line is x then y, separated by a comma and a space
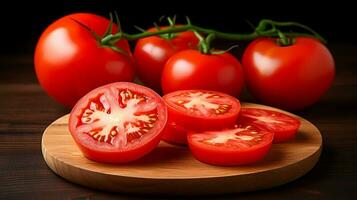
25, 112
171, 169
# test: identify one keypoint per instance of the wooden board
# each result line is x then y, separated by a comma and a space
172, 170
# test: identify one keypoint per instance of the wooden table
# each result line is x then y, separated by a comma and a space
25, 111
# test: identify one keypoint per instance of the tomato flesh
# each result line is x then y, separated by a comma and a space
118, 122
229, 147
284, 127
201, 109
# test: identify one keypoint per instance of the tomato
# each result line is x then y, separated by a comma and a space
190, 69
151, 54
69, 62
175, 134
290, 77
118, 122
201, 109
228, 147
284, 126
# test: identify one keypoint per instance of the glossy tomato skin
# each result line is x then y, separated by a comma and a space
190, 69
115, 152
290, 77
198, 122
151, 54
228, 155
69, 62
118, 157
174, 134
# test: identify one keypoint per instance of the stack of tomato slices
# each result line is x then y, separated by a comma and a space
122, 122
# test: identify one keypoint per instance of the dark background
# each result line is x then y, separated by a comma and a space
22, 23
26, 110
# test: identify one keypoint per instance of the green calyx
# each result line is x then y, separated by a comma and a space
102, 41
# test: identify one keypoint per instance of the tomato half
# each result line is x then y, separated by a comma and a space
228, 147
201, 109
118, 122
290, 77
151, 54
175, 134
190, 69
69, 62
284, 126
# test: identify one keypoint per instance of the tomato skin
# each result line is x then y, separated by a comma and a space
151, 54
69, 62
223, 156
199, 123
97, 151
118, 157
174, 134
190, 69
289, 77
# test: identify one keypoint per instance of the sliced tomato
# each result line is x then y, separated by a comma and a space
284, 126
175, 134
202, 109
118, 122
228, 147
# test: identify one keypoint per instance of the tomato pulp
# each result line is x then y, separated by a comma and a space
229, 147
283, 126
118, 122
198, 110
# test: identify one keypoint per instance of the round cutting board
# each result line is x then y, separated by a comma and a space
171, 169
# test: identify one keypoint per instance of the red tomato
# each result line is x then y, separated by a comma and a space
175, 134
69, 61
151, 54
118, 122
283, 126
290, 77
201, 109
238, 146
191, 69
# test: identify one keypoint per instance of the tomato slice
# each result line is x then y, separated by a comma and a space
118, 122
228, 147
175, 134
202, 109
284, 126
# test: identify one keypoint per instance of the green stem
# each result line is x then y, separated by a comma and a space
283, 40
265, 22
208, 42
261, 31
202, 44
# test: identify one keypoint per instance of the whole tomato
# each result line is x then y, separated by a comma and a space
191, 69
151, 54
69, 61
290, 77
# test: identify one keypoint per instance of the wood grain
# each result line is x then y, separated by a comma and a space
171, 169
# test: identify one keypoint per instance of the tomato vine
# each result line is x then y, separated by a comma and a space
265, 28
